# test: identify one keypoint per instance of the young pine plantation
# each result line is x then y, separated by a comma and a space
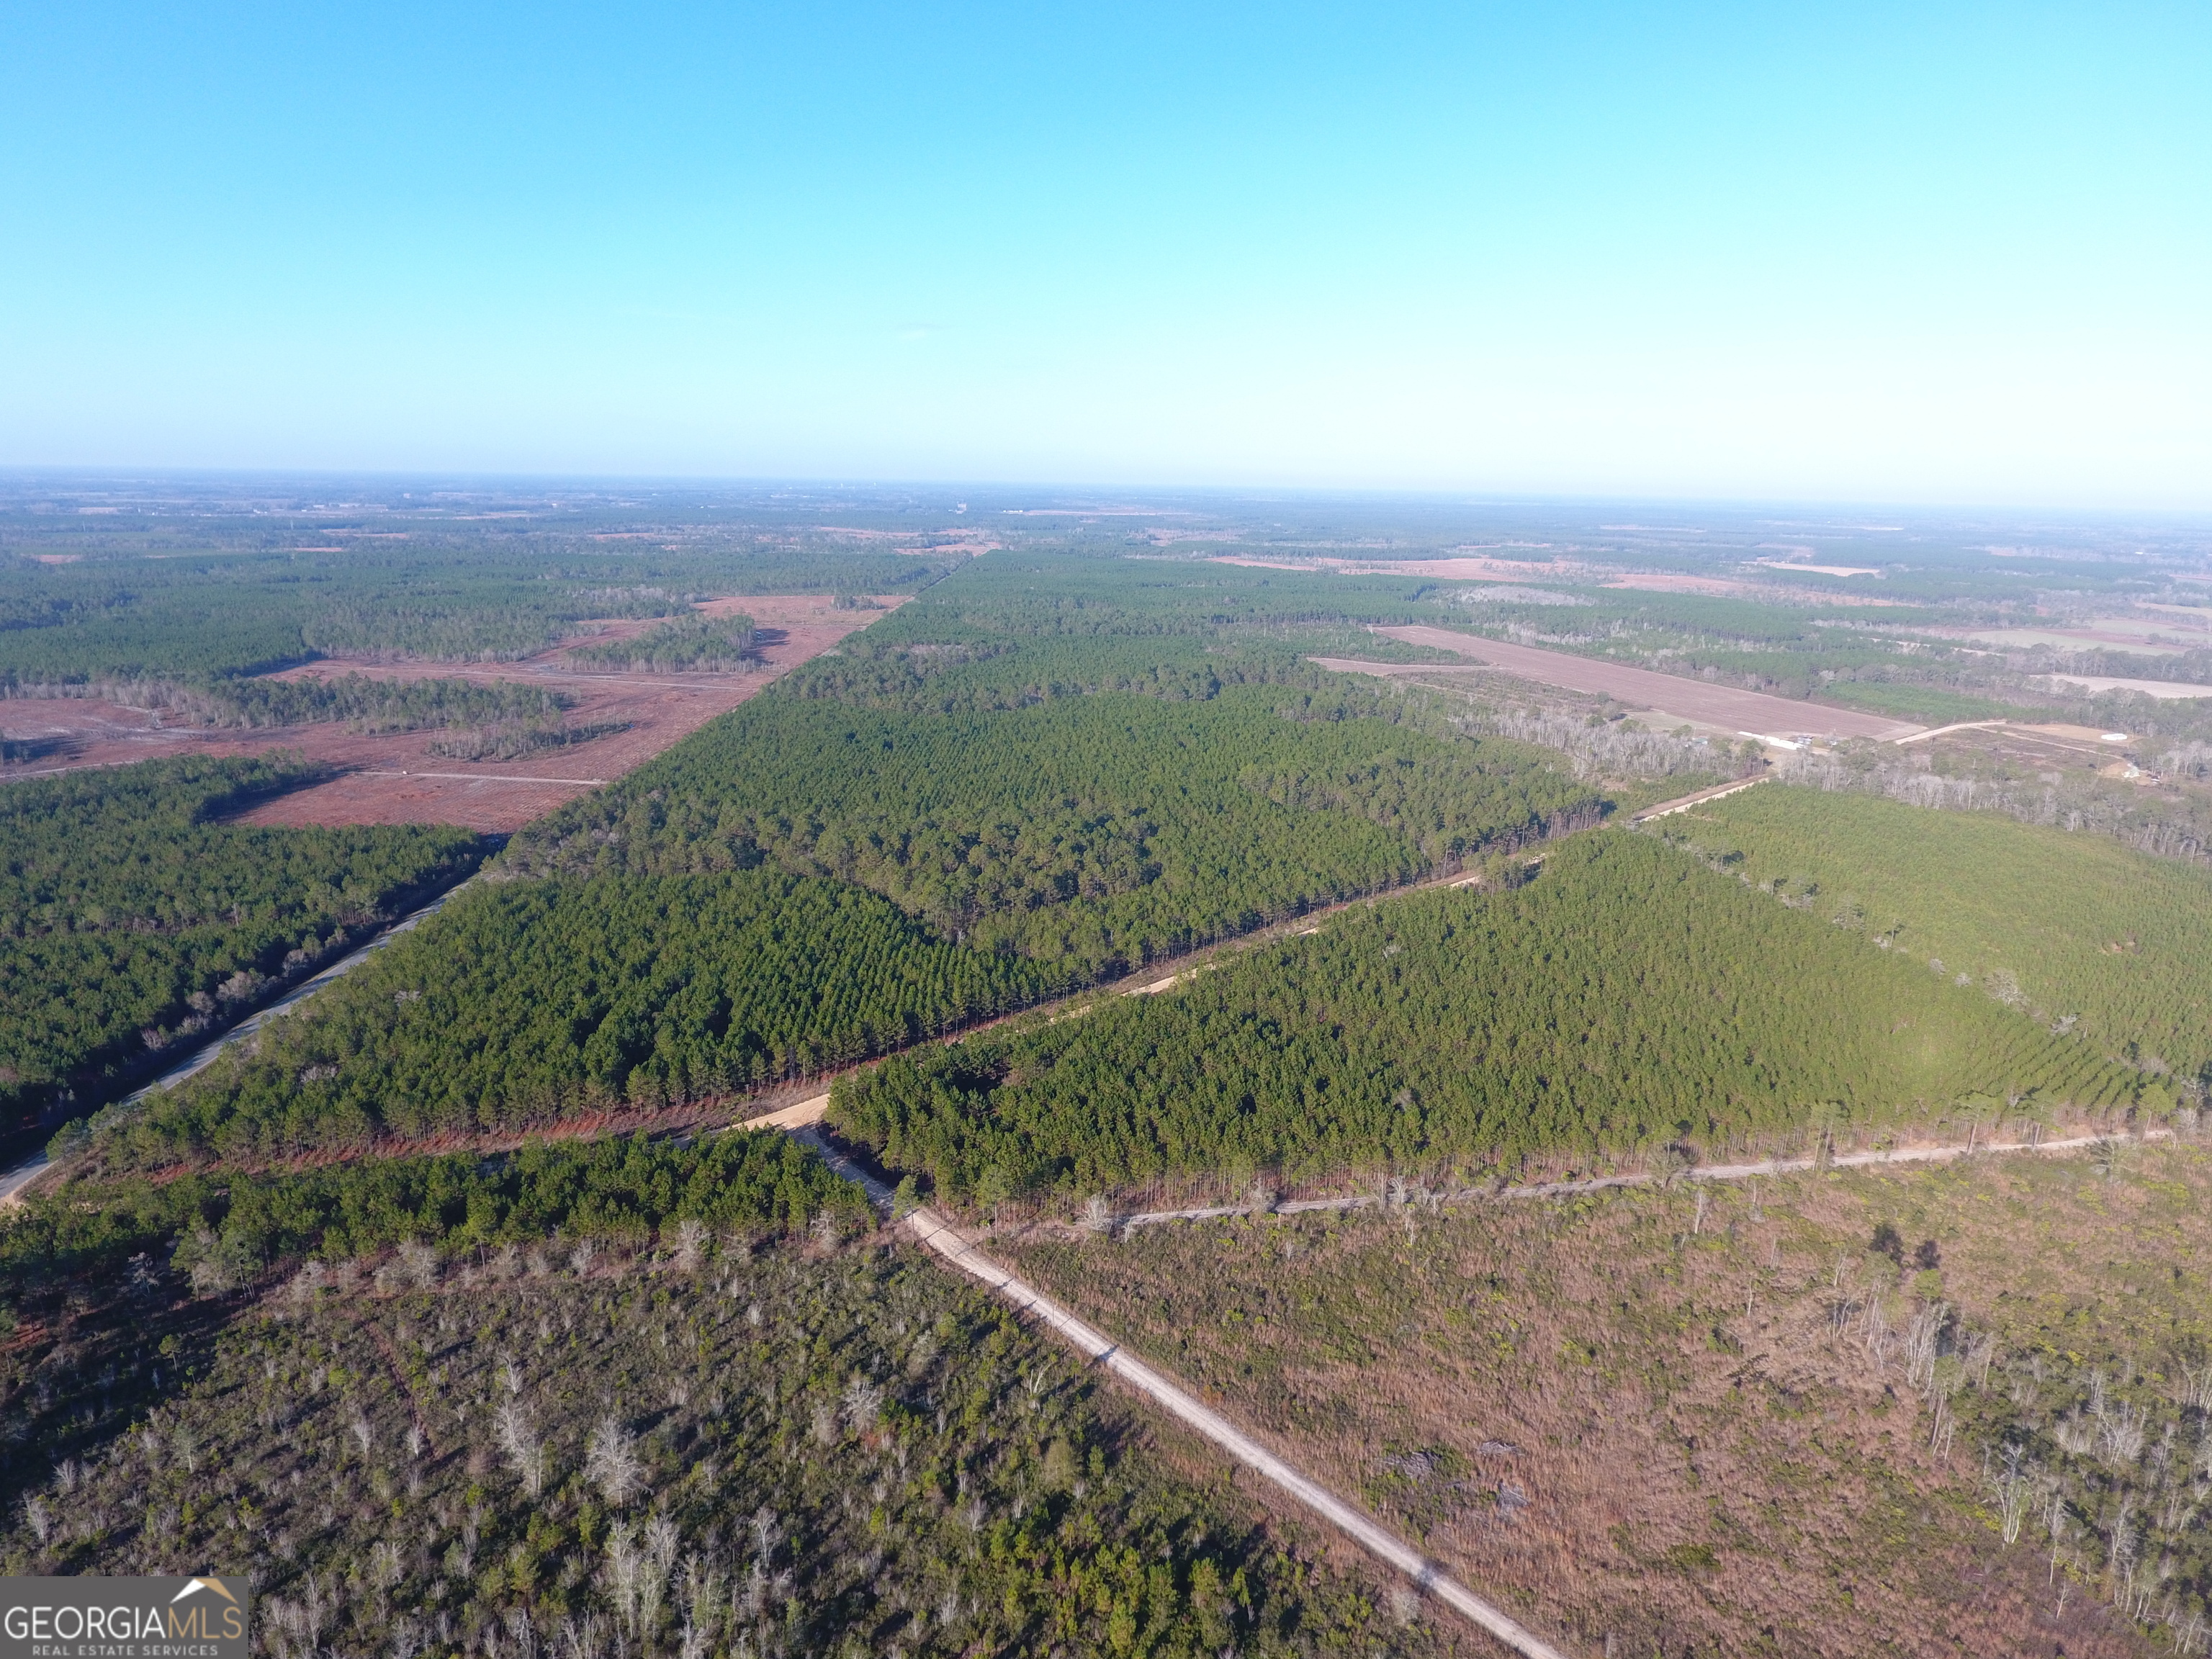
1626, 1000
2079, 931
1085, 766
989, 799
532, 1002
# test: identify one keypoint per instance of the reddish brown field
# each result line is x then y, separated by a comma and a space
1641, 687
391, 778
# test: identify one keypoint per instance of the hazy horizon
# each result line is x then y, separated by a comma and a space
1629, 252
1074, 496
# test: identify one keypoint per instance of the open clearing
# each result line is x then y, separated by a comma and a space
392, 778
1666, 1421
1721, 706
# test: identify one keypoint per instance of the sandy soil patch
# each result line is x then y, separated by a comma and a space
1670, 581
1476, 569
945, 539
1822, 569
493, 803
1750, 712
1480, 680
392, 778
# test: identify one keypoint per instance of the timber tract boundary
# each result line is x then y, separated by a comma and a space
936, 1234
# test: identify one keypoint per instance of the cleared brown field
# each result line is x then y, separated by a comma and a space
392, 778
1639, 1422
1642, 688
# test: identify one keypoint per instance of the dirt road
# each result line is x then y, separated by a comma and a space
15, 1180
935, 1234
1684, 803
1770, 1167
1751, 713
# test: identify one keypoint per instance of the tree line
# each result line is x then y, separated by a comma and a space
131, 916
193, 616
620, 1190
692, 644
370, 703
525, 1002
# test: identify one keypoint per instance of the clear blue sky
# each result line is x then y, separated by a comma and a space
1915, 251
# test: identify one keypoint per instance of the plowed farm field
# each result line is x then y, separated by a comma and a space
392, 778
1723, 707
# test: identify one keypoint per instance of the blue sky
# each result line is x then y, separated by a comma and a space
1907, 252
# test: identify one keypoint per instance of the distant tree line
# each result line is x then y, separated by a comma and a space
191, 618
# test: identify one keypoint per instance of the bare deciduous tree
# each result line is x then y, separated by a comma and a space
690, 1244
702, 1606
611, 1461
2013, 1489
863, 1399
579, 1638
625, 1568
660, 1556
418, 1264
518, 1444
